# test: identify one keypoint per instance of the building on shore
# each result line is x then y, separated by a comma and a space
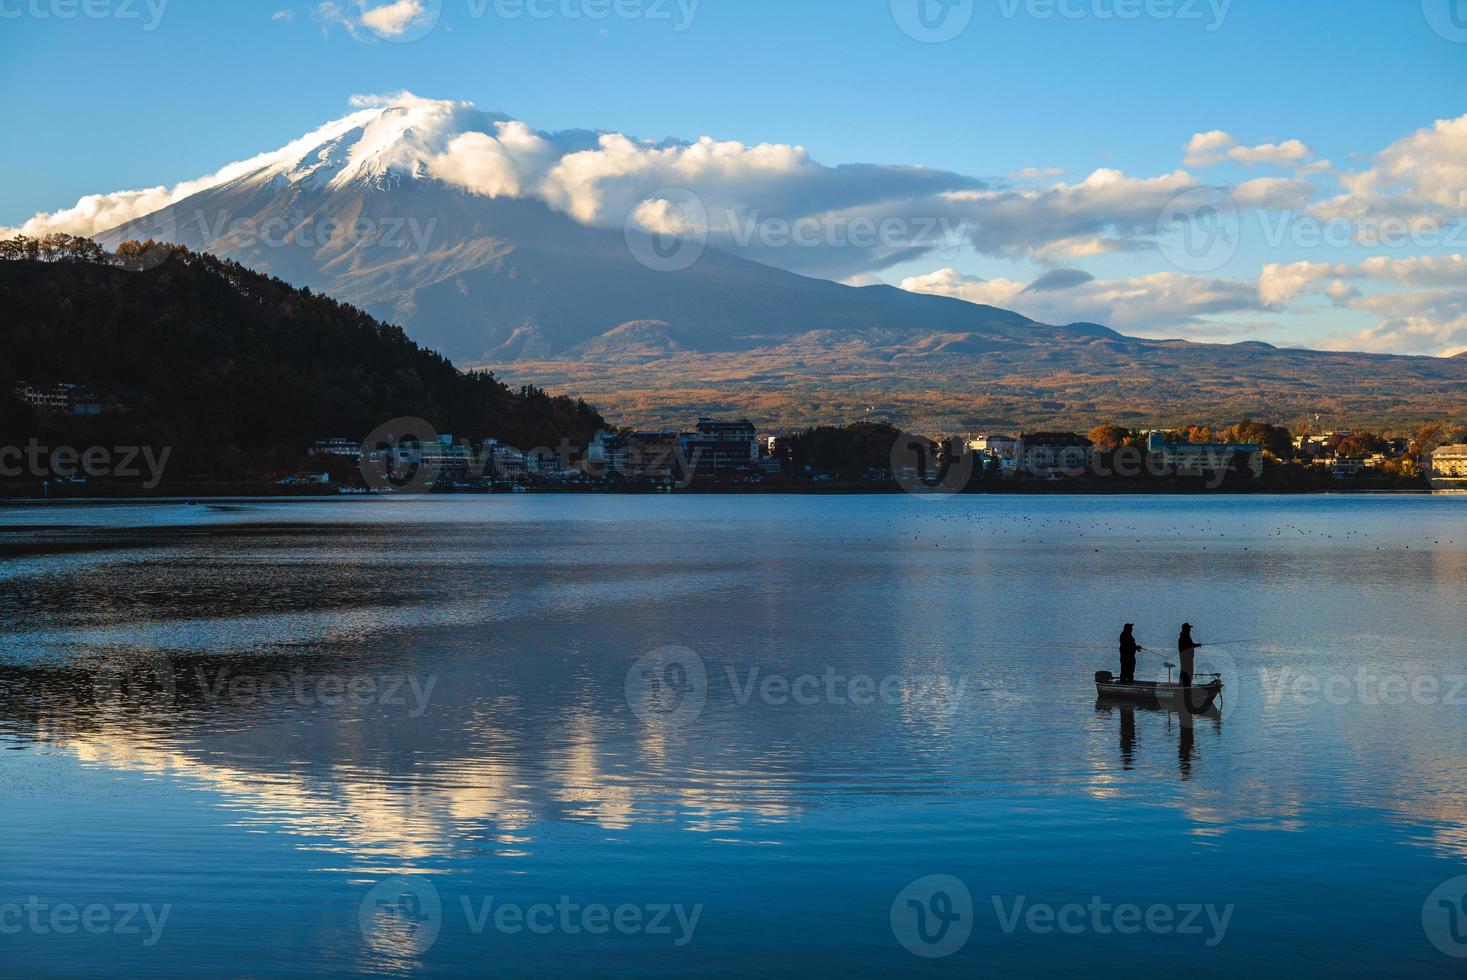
606, 454
1055, 455
1448, 468
719, 447
653, 455
346, 448
502, 462
1201, 459
59, 399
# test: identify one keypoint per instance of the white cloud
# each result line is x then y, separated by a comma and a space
1427, 316
1166, 304
362, 19
283, 15
1215, 147
1280, 283
1038, 173
1106, 212
1422, 175
1273, 193
1423, 323
393, 19
1206, 149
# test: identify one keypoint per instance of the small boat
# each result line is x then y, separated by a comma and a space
1197, 699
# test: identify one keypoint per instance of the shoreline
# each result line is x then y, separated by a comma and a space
241, 497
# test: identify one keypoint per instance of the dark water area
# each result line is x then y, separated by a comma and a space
647, 736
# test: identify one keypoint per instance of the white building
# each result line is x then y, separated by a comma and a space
1448, 468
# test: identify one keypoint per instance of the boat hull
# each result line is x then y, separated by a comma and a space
1196, 699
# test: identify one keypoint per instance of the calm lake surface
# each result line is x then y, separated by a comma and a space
732, 736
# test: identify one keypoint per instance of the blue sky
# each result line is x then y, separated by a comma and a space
148, 92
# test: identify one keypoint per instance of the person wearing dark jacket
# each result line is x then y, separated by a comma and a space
1129, 646
1186, 647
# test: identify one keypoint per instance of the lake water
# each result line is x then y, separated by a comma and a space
733, 736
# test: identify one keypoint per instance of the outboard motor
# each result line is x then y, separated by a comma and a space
1104, 677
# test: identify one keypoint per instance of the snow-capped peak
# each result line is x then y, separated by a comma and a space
378, 146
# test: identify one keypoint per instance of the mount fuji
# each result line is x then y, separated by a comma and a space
538, 255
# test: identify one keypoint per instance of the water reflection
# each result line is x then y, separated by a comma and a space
447, 695
1181, 724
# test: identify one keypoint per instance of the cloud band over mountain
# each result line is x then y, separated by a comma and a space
775, 204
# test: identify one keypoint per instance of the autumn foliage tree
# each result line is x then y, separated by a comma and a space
1109, 437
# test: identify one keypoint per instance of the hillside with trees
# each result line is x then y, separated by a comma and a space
236, 371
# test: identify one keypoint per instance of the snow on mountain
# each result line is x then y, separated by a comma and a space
608, 180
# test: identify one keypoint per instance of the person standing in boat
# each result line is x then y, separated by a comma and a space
1129, 646
1186, 649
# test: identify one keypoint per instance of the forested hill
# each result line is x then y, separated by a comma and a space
235, 370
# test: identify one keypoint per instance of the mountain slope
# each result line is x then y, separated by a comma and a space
484, 279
